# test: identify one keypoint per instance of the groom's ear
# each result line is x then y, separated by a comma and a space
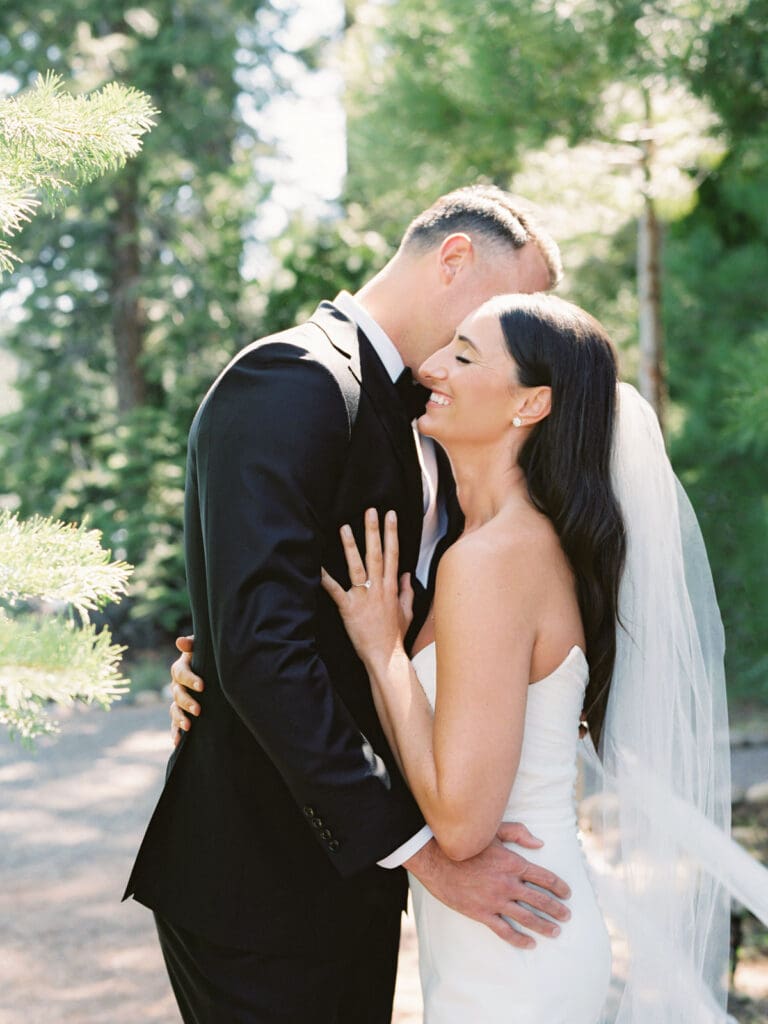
456, 251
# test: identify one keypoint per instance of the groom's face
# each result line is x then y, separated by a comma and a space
477, 276
501, 272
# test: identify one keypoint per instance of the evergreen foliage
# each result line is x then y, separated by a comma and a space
317, 260
135, 301
52, 576
133, 298
443, 92
51, 141
558, 101
717, 320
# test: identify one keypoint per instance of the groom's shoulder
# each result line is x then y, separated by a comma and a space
313, 358
327, 337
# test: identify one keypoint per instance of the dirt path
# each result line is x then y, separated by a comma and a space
71, 816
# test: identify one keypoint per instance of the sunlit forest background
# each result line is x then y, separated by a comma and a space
131, 299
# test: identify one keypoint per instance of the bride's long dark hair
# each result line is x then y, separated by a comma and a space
567, 462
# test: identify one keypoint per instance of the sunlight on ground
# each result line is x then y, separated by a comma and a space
71, 817
751, 979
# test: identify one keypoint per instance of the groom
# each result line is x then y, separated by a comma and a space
273, 858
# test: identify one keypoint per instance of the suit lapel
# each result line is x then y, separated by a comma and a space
341, 333
455, 515
447, 483
424, 595
384, 399
369, 371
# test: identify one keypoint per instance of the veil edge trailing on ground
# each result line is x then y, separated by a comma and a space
659, 805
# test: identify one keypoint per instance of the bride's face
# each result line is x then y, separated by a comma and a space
475, 393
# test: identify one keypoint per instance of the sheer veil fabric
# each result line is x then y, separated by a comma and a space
658, 807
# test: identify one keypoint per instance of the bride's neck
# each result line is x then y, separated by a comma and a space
487, 482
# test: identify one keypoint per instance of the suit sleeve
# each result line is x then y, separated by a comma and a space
270, 447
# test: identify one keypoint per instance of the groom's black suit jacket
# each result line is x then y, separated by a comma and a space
284, 795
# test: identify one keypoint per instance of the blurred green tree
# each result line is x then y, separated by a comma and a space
596, 111
716, 312
315, 259
51, 141
130, 302
441, 92
52, 576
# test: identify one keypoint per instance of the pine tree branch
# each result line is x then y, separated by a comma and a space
8, 258
51, 141
57, 562
44, 658
48, 657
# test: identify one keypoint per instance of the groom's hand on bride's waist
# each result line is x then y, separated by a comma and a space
496, 887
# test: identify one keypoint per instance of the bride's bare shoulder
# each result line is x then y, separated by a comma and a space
511, 551
526, 535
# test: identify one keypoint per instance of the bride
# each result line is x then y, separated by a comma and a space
579, 592
521, 640
578, 597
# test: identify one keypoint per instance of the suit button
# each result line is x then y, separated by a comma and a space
309, 812
317, 822
325, 834
333, 845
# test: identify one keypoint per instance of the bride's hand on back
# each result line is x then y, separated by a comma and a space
183, 683
378, 607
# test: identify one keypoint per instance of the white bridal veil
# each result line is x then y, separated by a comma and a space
659, 814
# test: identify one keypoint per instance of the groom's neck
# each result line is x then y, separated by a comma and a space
396, 301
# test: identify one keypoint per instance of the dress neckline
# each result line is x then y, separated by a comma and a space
566, 660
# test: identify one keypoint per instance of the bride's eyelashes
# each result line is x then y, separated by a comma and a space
461, 356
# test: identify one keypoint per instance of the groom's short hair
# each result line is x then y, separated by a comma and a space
488, 211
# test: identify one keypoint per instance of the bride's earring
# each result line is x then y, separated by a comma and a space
516, 421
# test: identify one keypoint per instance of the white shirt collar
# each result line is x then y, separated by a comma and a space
381, 342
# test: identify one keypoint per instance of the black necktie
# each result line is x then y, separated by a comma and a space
412, 395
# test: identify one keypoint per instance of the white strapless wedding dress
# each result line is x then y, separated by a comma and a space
468, 974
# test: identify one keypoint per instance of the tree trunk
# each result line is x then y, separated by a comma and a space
652, 372
127, 314
652, 369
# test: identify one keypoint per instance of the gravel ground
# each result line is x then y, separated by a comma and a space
71, 816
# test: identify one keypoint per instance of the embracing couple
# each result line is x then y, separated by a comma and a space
409, 597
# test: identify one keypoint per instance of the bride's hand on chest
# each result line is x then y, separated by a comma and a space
378, 607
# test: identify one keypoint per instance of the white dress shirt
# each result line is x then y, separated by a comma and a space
435, 513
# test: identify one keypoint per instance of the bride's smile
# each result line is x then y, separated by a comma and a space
481, 414
476, 398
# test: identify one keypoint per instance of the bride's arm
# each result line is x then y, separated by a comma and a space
416, 712
460, 764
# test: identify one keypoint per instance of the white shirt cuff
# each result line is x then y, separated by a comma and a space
399, 856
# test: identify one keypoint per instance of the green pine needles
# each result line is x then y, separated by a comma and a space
52, 576
51, 141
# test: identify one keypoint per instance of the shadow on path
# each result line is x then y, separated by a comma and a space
71, 818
